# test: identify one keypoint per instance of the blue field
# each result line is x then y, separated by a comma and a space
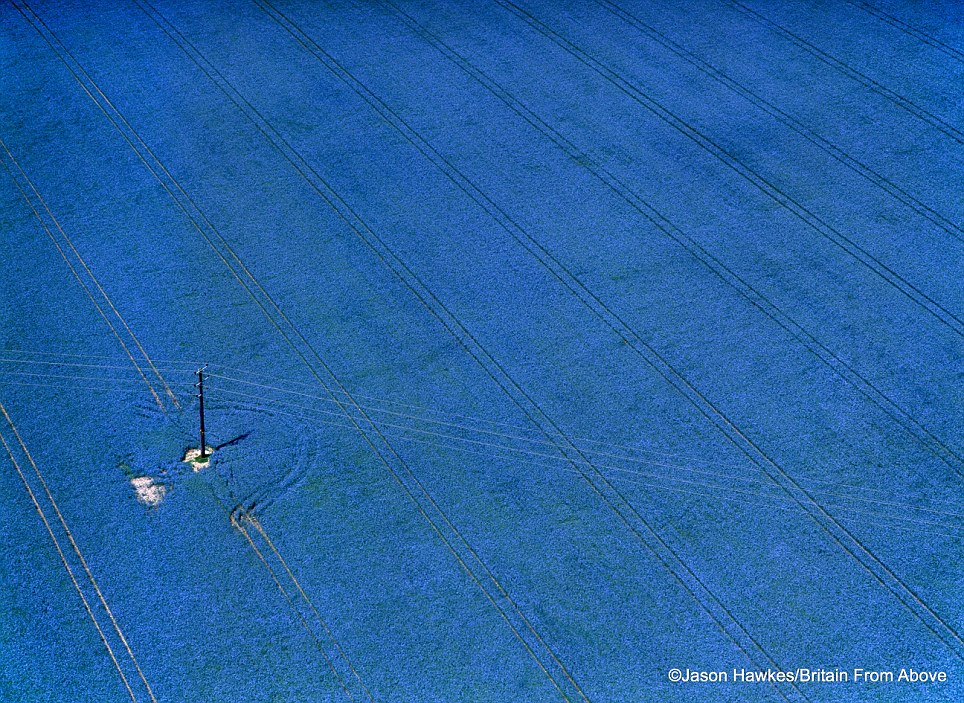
553, 351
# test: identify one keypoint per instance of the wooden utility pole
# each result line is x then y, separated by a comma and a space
200, 396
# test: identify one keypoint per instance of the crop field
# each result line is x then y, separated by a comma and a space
584, 351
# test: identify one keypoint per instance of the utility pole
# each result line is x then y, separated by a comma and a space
200, 396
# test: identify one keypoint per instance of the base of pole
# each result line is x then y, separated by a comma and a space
193, 457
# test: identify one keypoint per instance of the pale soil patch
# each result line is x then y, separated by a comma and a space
148, 492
